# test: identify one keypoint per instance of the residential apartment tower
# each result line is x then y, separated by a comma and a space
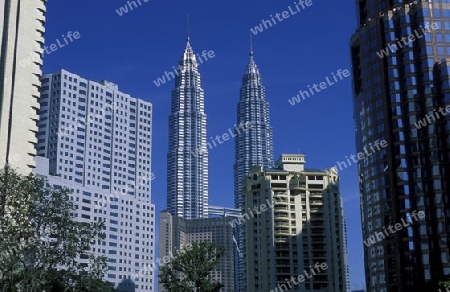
293, 224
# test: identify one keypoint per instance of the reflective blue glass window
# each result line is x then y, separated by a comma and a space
411, 81
393, 73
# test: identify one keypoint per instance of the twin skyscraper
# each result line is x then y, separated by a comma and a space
276, 243
187, 158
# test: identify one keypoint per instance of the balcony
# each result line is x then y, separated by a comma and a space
319, 255
280, 202
278, 185
281, 209
283, 219
317, 232
317, 240
282, 216
282, 196
280, 240
283, 263
282, 255
315, 186
320, 248
278, 224
281, 247
283, 231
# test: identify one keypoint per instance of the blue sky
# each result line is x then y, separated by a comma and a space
136, 48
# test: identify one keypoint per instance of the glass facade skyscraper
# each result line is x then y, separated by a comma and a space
253, 146
187, 159
401, 95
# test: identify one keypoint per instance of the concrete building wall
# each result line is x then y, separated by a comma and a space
21, 33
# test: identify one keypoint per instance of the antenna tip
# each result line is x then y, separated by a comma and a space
188, 26
251, 45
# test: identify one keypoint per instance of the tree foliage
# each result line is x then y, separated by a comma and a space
446, 283
435, 285
41, 242
189, 270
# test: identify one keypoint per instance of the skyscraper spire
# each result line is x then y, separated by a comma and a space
254, 146
187, 159
188, 37
251, 45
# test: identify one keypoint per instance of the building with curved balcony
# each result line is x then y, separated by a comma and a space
294, 221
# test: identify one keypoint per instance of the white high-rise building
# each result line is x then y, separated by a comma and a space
21, 31
97, 141
295, 235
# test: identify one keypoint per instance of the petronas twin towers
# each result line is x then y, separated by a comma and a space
187, 174
187, 159
255, 146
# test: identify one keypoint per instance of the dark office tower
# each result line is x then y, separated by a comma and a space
254, 145
402, 95
187, 159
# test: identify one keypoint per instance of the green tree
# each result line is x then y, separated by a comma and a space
189, 270
441, 285
40, 240
445, 284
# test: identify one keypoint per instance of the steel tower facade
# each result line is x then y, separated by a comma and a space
252, 147
187, 159
255, 145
